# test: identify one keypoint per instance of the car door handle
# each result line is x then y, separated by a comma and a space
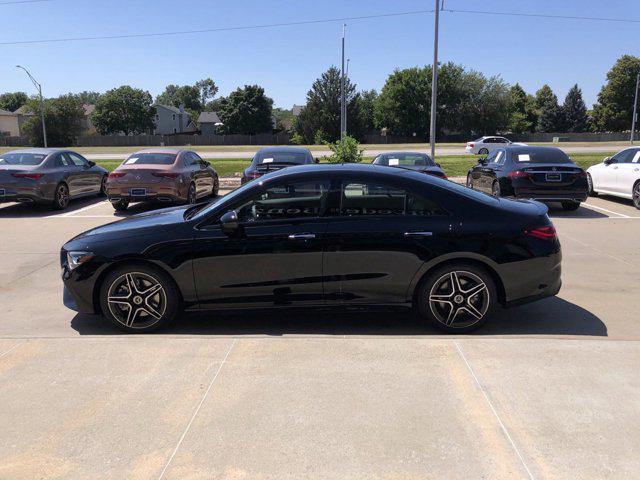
418, 234
302, 236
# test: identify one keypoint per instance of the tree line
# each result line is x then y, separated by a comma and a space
469, 103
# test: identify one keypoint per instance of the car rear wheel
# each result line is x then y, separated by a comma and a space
592, 192
120, 205
191, 195
457, 298
103, 186
61, 197
139, 298
636, 195
495, 188
216, 187
483, 151
469, 182
570, 206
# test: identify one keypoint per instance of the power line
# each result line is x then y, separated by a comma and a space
13, 2
541, 15
221, 29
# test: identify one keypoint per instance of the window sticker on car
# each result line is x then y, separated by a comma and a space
131, 160
636, 158
267, 160
394, 161
524, 157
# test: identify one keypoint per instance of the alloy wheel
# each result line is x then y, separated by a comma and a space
103, 186
636, 195
191, 195
137, 300
495, 189
62, 196
459, 299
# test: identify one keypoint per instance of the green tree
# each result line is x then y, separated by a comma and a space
614, 108
247, 111
284, 119
346, 150
88, 97
549, 113
12, 101
322, 110
208, 89
575, 111
186, 95
520, 120
62, 117
125, 110
368, 100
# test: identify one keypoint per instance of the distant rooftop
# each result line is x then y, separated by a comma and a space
209, 117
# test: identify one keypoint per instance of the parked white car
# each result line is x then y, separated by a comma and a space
618, 175
486, 145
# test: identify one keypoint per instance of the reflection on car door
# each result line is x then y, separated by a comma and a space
628, 173
276, 257
487, 172
88, 180
377, 239
204, 176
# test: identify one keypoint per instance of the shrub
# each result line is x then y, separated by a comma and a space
345, 151
320, 137
296, 139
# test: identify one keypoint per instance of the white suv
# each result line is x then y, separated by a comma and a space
485, 145
618, 175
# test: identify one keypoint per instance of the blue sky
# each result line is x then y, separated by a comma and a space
286, 60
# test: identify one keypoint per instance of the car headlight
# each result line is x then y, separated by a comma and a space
74, 259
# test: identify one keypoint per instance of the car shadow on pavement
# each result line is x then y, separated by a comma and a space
581, 212
31, 210
552, 316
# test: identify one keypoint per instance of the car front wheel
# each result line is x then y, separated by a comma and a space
138, 298
457, 298
592, 192
636, 195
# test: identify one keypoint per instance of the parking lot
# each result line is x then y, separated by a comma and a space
546, 390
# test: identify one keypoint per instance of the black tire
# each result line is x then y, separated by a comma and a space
469, 182
61, 197
635, 195
192, 195
216, 187
483, 151
120, 205
437, 284
103, 187
151, 311
570, 206
495, 188
592, 192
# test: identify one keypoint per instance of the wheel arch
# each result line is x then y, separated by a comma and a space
464, 257
128, 261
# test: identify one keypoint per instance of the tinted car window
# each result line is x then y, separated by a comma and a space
498, 158
376, 199
404, 159
76, 159
151, 159
63, 161
292, 158
625, 156
21, 159
541, 156
290, 200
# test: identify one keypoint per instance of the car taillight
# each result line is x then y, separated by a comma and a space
117, 174
519, 174
580, 174
543, 233
165, 174
31, 176
470, 144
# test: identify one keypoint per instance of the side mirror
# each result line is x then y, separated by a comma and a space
229, 222
607, 160
438, 165
482, 160
317, 160
91, 163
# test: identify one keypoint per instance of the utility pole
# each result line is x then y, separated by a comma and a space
39, 87
434, 83
635, 110
346, 77
343, 107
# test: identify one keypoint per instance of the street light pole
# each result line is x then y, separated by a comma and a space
434, 83
343, 110
39, 87
635, 110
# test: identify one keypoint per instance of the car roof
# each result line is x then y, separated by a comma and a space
161, 150
530, 149
284, 149
404, 153
41, 151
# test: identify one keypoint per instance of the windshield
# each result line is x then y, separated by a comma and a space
542, 156
293, 158
405, 160
151, 159
22, 159
227, 198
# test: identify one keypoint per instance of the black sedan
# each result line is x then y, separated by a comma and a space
321, 236
420, 162
50, 176
546, 174
270, 159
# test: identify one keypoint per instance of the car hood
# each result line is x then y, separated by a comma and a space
136, 225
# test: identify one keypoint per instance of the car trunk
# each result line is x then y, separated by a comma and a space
552, 176
265, 168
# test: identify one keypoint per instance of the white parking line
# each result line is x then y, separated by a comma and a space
590, 205
69, 214
204, 397
10, 350
495, 413
82, 216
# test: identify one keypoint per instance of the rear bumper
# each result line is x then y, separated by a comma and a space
531, 279
551, 195
24, 196
153, 194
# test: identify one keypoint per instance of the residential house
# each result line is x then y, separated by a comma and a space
9, 125
23, 114
85, 123
209, 123
171, 120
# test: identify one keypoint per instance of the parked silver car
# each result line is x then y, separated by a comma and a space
48, 175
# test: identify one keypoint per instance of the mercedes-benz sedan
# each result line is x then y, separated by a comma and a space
270, 159
419, 162
48, 176
320, 236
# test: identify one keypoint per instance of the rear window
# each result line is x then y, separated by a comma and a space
541, 156
291, 158
21, 158
404, 160
151, 159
